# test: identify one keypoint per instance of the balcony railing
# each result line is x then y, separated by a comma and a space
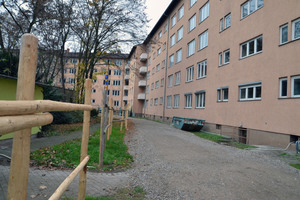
141, 96
126, 77
143, 70
126, 87
143, 57
142, 83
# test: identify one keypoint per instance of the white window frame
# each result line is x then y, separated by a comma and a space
192, 22
171, 60
158, 51
203, 40
191, 48
247, 4
294, 30
192, 2
221, 25
177, 78
202, 69
223, 94
180, 34
173, 20
281, 28
280, 87
156, 101
176, 101
180, 12
188, 100
93, 101
116, 103
156, 84
179, 56
169, 101
220, 59
172, 40
157, 67
226, 52
200, 99
255, 47
204, 12
293, 85
170, 80
166, 27
160, 34
189, 74
226, 21
247, 87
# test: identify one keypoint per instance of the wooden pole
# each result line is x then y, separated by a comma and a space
122, 112
85, 140
15, 123
110, 117
19, 167
103, 126
9, 108
126, 116
65, 184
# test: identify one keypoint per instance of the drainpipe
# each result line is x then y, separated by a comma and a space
144, 106
166, 70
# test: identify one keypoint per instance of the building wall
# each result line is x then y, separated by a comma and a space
268, 114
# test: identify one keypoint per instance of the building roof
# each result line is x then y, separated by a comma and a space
108, 56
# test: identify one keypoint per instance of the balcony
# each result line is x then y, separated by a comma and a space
143, 70
126, 77
142, 83
127, 66
143, 57
125, 98
126, 87
141, 96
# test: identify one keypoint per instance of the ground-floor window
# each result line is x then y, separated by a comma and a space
169, 101
296, 86
188, 100
251, 91
176, 101
200, 99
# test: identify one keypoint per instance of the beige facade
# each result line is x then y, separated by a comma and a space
231, 63
115, 82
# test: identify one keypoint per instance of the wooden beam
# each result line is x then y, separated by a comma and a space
10, 124
30, 107
85, 139
65, 184
19, 167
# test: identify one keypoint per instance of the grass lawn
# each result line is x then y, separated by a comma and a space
67, 155
297, 166
221, 139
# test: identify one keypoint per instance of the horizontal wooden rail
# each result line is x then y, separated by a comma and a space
10, 124
65, 184
30, 107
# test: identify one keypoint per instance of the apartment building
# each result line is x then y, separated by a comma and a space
115, 82
235, 64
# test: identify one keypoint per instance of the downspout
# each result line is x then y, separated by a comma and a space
144, 106
166, 70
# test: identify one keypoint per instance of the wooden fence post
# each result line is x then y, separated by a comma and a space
122, 112
110, 117
19, 168
103, 126
85, 140
126, 116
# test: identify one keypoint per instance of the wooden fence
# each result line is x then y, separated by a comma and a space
23, 114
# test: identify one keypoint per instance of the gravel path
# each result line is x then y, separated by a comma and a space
173, 164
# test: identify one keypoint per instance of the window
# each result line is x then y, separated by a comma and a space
180, 12
161, 101
126, 93
221, 25
73, 60
149, 61
116, 82
116, 103
201, 72
200, 99
164, 45
156, 101
177, 78
222, 94
188, 100
296, 86
163, 64
220, 59
106, 83
71, 80
93, 101
176, 101
227, 21
283, 87
191, 48
180, 34
157, 68
151, 101
95, 70
158, 51
203, 40
146, 103
192, 2
162, 82
65, 71
250, 91
173, 39
171, 59
93, 90
178, 55
189, 74
170, 80
169, 101
252, 47
117, 72
296, 29
204, 12
116, 93
60, 80
152, 86
160, 34
284, 30
156, 84
148, 75
226, 56
72, 71
173, 20
94, 80
166, 27
147, 89
153, 70
192, 23
251, 6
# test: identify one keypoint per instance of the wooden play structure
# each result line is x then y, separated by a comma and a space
24, 113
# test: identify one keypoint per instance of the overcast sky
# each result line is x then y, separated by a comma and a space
155, 9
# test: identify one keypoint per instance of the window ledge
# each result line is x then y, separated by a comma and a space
201, 77
251, 13
288, 42
177, 84
281, 98
200, 108
188, 108
224, 29
249, 100
222, 101
202, 48
190, 55
250, 55
224, 64
189, 81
